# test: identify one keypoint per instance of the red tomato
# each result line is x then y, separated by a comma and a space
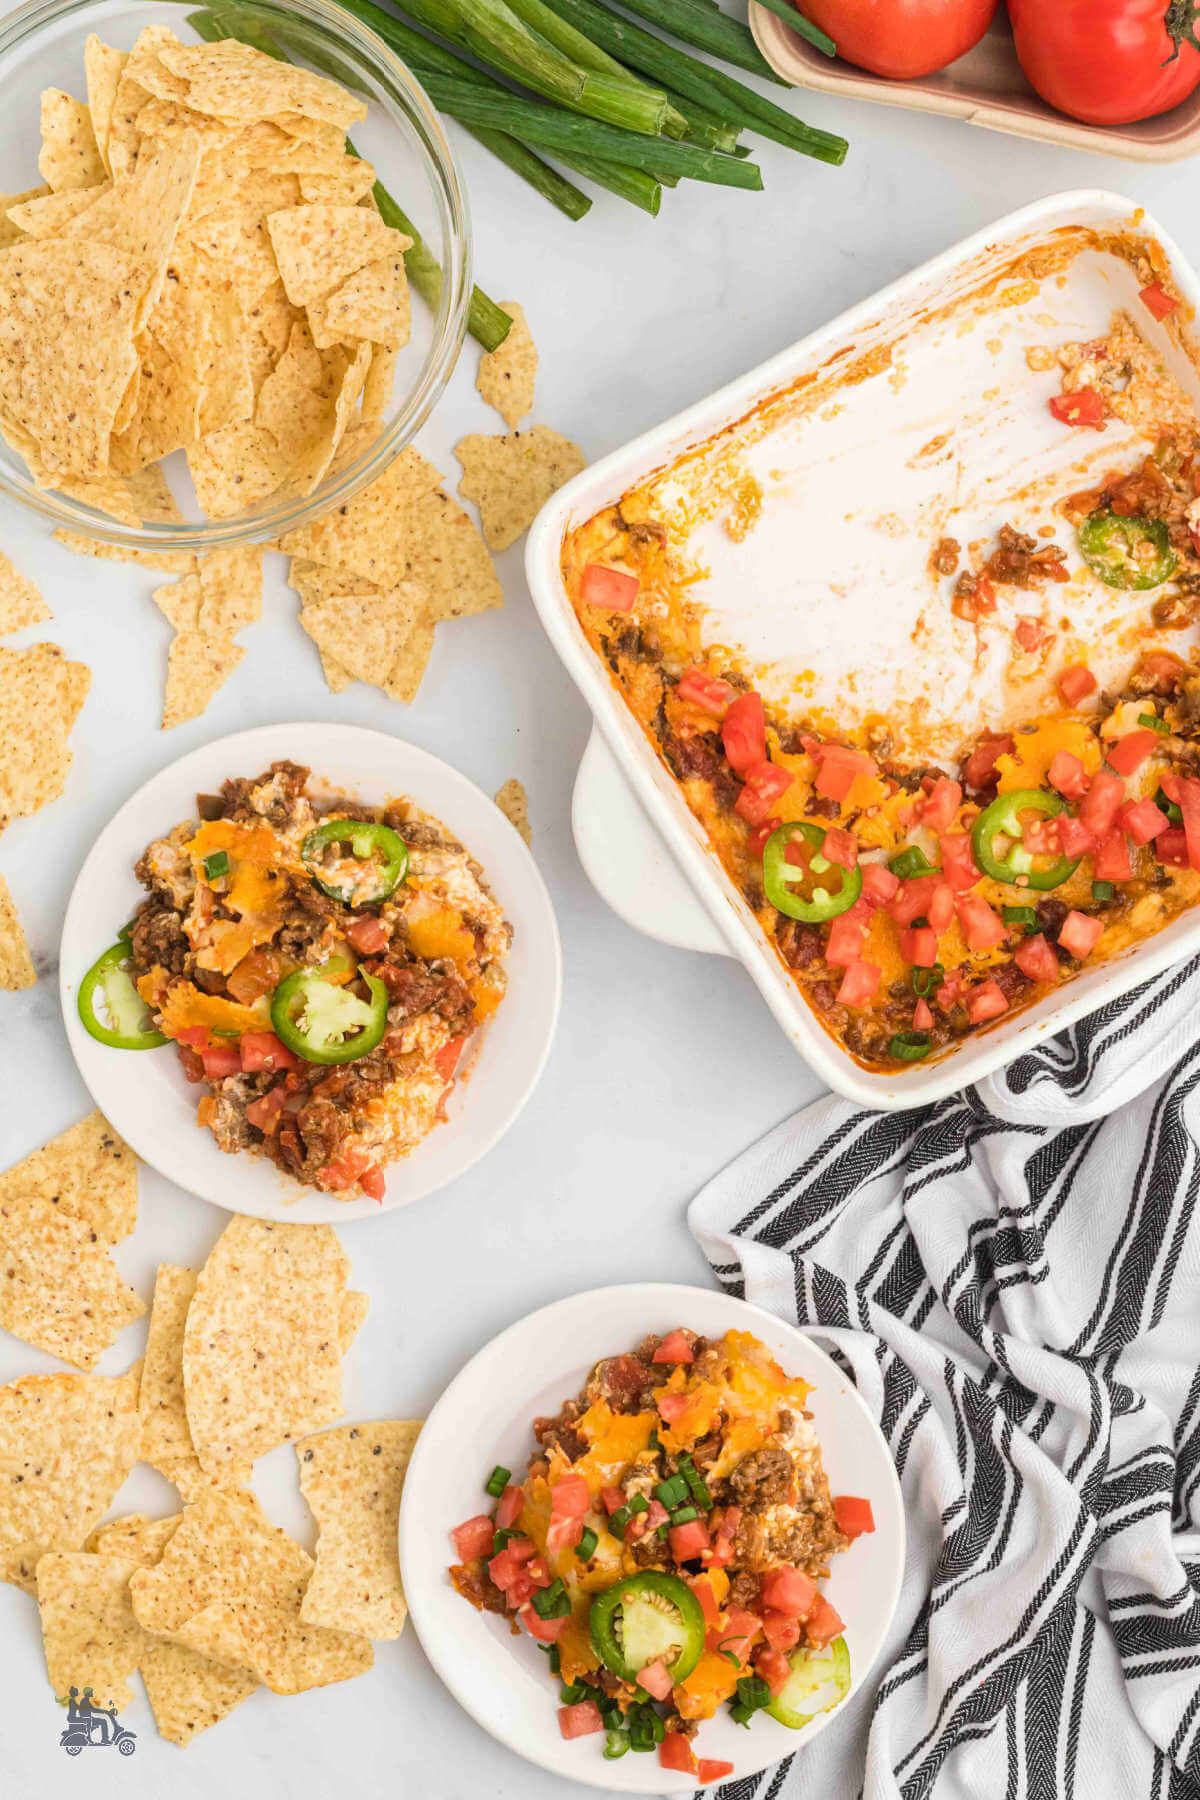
1130, 752
879, 885
840, 847
823, 1625
688, 1540
548, 1631
1112, 859
369, 935
1084, 407
264, 1112
744, 733
958, 860
1074, 838
675, 1752
913, 900
756, 843
1189, 805
1068, 775
613, 1498
569, 1497
1166, 671
1158, 303
193, 1068
672, 1406
780, 1632
859, 984
563, 1533
1029, 633
941, 804
655, 1515
853, 1515
1079, 933
922, 1017
701, 1586
263, 1050
343, 1172
579, 1720
981, 926
1107, 62
1142, 820
371, 1181
1075, 683
707, 692
611, 589
902, 38
220, 1060
199, 1037
982, 761
674, 1349
845, 942
765, 781
707, 1769
837, 769
1100, 805
950, 992
474, 1537
1035, 958
919, 947
737, 1634
987, 1002
1170, 847
509, 1509
655, 1679
789, 1591
774, 1668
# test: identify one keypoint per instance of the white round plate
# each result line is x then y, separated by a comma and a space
144, 1093
484, 1417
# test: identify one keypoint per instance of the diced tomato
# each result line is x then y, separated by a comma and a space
765, 782
1029, 632
1130, 752
369, 935
264, 1112
709, 1769
344, 1171
521, 1588
675, 1752
774, 1668
912, 900
538, 1571
1170, 847
922, 1016
474, 1537
221, 1059
1084, 407
950, 992
1158, 303
1079, 933
987, 1002
546, 1631
1040, 837
1188, 801
611, 589
1034, 957
257, 974
702, 1587
853, 1515
859, 984
613, 1498
655, 1679
372, 1182
837, 769
840, 847
1162, 667
756, 843
263, 1050
788, 1590
744, 733
780, 1632
845, 942
1112, 859
1068, 775
509, 1565
981, 764
941, 804
738, 1633
199, 1037
1074, 838
509, 1509
674, 1349
981, 925
1142, 820
580, 1720
708, 692
563, 1533
959, 867
672, 1406
878, 883
1075, 683
655, 1515
940, 911
823, 1624
1100, 805
569, 1497
687, 1541
445, 1060
919, 947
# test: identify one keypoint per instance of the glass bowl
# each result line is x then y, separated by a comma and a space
41, 46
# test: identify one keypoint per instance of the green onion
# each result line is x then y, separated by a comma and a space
729, 39
552, 1602
497, 1481
1019, 915
216, 864
741, 1715
925, 981
684, 1515
571, 1694
615, 1744
921, 924
1168, 806
619, 1521
1103, 891
820, 40
585, 1549
700, 1493
753, 1691
1152, 722
910, 1046
639, 1504
555, 1660
671, 1491
910, 862
503, 1537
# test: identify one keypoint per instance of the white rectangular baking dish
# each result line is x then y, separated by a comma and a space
621, 856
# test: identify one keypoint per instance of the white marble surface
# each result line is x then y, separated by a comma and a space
666, 1064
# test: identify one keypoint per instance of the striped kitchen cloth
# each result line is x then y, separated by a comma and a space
1013, 1277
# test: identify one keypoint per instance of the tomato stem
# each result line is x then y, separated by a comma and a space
1180, 20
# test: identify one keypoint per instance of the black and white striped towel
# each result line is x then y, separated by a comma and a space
1013, 1275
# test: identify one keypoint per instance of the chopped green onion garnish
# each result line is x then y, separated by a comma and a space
924, 981
742, 1715
684, 1515
619, 1521
503, 1537
1152, 722
1168, 806
572, 1693
555, 1660
1103, 891
753, 1691
1019, 915
216, 864
910, 1046
497, 1481
672, 1491
910, 862
695, 1481
585, 1549
615, 1744
552, 1602
639, 1504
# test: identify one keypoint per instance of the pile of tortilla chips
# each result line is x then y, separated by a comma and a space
204, 270
213, 1601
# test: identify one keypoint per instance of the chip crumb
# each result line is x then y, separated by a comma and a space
512, 801
511, 478
506, 375
16, 964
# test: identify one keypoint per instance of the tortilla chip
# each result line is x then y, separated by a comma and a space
361, 535
352, 1479
166, 1442
134, 1537
318, 248
344, 185
141, 215
102, 68
21, 602
230, 1584
233, 81
88, 1171
197, 667
354, 1309
10, 233
235, 238
199, 325
316, 581
262, 1359
153, 501
371, 305
234, 468
367, 634
408, 670
312, 131
89, 1634
512, 801
449, 559
377, 389
40, 695
45, 215
179, 562
230, 590
166, 415
179, 601
511, 478
506, 375
67, 1442
70, 156
59, 1287
16, 964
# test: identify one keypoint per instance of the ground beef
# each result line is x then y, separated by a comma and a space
413, 990
561, 1431
626, 1383
744, 1589
346, 809
1023, 561
944, 557
475, 1584
763, 1478
726, 787
210, 807
1050, 917
1010, 980
799, 944
698, 755
310, 912
158, 937
230, 1100
236, 801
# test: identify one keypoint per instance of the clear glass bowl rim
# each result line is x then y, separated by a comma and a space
353, 41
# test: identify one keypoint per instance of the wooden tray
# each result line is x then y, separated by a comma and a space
986, 87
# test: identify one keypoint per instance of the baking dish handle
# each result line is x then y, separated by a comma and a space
627, 862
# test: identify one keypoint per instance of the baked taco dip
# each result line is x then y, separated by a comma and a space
320, 965
667, 1548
